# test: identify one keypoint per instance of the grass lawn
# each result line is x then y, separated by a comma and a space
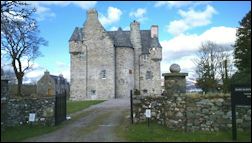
157, 133
20, 133
74, 106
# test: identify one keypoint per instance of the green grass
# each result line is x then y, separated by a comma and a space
19, 133
74, 106
157, 133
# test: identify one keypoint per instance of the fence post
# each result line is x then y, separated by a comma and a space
131, 106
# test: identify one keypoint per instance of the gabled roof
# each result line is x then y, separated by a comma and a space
122, 39
77, 35
61, 79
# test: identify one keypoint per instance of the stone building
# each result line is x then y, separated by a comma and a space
108, 64
52, 85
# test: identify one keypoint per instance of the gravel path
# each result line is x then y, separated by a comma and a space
97, 124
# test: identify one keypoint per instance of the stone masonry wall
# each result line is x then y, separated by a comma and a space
152, 86
192, 112
18, 110
135, 39
4, 99
124, 71
78, 71
93, 55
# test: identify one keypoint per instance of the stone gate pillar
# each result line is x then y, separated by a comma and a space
175, 82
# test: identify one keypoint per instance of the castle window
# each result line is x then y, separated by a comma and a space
81, 55
103, 74
149, 75
145, 57
93, 92
145, 91
130, 71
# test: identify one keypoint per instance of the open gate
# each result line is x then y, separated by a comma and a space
60, 108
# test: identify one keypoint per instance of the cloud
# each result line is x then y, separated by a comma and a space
114, 28
81, 4
139, 14
190, 19
44, 12
62, 68
171, 4
113, 15
179, 4
182, 48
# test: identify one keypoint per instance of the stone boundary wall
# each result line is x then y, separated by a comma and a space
18, 109
27, 89
192, 112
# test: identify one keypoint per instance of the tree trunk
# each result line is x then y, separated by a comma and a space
20, 80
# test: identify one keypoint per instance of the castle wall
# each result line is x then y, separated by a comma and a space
78, 71
149, 84
101, 71
124, 71
100, 58
135, 38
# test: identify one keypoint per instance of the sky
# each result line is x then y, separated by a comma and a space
183, 26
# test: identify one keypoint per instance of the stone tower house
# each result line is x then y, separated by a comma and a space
108, 64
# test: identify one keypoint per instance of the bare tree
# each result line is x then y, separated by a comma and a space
213, 67
19, 38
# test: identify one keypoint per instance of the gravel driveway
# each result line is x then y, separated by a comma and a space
97, 124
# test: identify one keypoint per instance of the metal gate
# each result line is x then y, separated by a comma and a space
60, 108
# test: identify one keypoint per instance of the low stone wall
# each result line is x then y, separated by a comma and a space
27, 89
192, 112
4, 99
18, 110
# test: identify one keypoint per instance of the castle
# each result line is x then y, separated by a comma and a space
108, 64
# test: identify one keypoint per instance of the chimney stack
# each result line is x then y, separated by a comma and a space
92, 13
46, 72
154, 31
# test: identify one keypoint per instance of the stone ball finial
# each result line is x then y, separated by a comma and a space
174, 68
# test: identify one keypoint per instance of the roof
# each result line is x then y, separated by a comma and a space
61, 79
77, 34
122, 39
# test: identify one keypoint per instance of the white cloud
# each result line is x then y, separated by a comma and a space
171, 4
114, 28
139, 14
179, 4
126, 28
190, 19
44, 12
113, 15
182, 48
81, 4
177, 27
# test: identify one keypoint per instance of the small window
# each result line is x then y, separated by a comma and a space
93, 92
149, 75
145, 57
81, 55
130, 71
145, 91
103, 74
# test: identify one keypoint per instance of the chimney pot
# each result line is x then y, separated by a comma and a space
154, 31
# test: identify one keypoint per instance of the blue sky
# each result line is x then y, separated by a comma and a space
182, 28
